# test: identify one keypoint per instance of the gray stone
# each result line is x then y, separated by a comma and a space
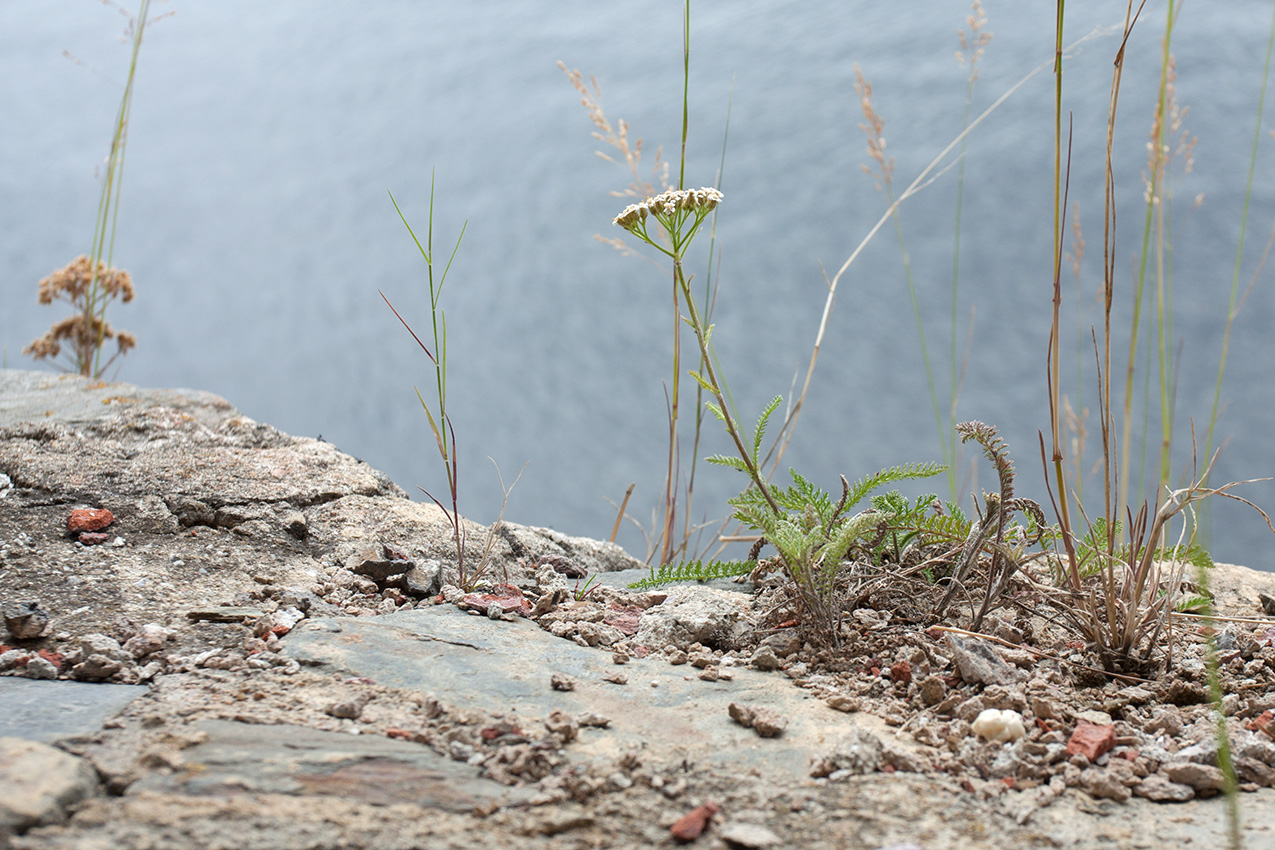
424, 579
24, 620
748, 835
1160, 789
39, 783
764, 658
347, 709
150, 638
48, 711
13, 658
190, 512
979, 663
766, 722
857, 752
97, 656
422, 532
783, 644
1201, 777
225, 614
378, 563
1104, 784
1267, 601
691, 615
39, 667
295, 524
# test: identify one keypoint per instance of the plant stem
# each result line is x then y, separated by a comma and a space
670, 480
1054, 360
702, 337
88, 363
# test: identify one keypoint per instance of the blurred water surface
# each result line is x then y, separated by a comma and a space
256, 222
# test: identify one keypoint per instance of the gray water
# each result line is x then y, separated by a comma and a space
257, 226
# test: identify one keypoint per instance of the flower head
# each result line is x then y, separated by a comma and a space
667, 205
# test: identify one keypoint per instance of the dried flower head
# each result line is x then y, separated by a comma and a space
1160, 151
72, 283
87, 330
874, 129
618, 137
973, 41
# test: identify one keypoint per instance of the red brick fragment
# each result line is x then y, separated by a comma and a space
399, 734
1264, 722
54, 658
1091, 740
93, 538
507, 596
89, 519
491, 733
901, 672
623, 617
692, 824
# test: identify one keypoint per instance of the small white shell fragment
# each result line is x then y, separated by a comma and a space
997, 725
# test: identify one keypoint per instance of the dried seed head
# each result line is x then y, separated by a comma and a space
82, 285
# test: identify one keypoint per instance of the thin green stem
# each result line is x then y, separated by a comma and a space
674, 404
670, 480
686, 88
89, 362
1053, 366
708, 317
1163, 259
440, 425
701, 335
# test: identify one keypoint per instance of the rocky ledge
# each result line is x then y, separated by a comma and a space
218, 634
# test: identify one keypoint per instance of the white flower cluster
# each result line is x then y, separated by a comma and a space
668, 203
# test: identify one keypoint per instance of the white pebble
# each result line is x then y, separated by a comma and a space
996, 725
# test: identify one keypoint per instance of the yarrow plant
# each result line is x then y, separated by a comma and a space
812, 534
681, 212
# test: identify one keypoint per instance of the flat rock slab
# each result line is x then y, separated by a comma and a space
665, 711
243, 758
48, 710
